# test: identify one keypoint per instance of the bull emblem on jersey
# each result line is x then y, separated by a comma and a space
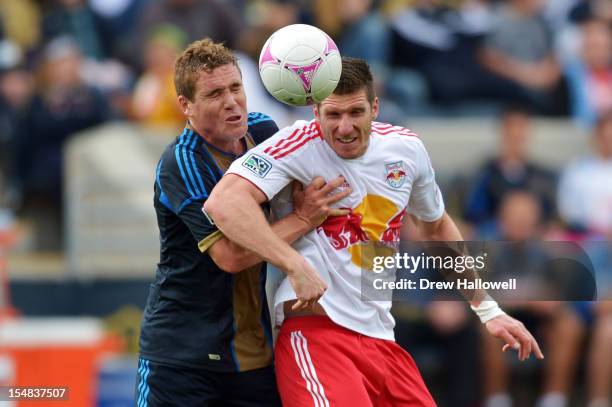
395, 174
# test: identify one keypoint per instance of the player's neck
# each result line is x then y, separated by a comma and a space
231, 147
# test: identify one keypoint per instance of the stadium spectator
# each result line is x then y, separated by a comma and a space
154, 99
197, 18
15, 15
599, 362
585, 191
446, 330
439, 333
262, 18
206, 337
599, 9
115, 21
99, 67
519, 48
597, 317
589, 74
16, 88
74, 18
362, 31
439, 41
62, 106
510, 169
555, 321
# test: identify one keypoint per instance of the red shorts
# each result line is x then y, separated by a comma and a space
321, 364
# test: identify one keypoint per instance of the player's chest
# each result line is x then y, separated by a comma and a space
378, 181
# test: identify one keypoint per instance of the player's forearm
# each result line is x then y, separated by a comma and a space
234, 258
445, 230
242, 221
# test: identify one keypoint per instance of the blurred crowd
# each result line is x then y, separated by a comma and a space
69, 65
511, 198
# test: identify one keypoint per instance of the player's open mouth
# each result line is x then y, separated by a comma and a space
346, 140
234, 119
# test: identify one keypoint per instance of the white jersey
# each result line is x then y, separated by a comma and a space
393, 177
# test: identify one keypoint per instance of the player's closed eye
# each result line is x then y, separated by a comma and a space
212, 95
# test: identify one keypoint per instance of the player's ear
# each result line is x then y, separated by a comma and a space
315, 110
375, 108
185, 105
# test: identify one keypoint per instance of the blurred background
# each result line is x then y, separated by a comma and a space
511, 97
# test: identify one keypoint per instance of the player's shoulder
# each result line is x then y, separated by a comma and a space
185, 147
397, 139
261, 126
388, 131
293, 140
183, 161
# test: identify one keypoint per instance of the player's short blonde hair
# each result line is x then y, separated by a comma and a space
203, 55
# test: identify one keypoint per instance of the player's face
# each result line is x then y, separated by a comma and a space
346, 122
218, 110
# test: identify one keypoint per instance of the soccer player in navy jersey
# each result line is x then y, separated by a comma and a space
206, 337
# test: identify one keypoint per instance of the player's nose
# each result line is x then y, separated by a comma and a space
230, 100
345, 127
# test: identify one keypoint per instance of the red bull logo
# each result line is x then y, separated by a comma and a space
375, 219
344, 231
395, 174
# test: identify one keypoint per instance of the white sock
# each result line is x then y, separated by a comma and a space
499, 400
552, 400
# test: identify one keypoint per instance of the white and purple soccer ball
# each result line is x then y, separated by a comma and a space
300, 65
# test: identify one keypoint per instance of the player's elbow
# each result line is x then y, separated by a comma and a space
432, 230
229, 257
230, 265
218, 206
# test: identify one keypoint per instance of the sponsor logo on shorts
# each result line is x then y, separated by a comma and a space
214, 356
257, 165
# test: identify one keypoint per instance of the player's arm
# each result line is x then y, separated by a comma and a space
445, 230
427, 210
234, 205
497, 322
311, 208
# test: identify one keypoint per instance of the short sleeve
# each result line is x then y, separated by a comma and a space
184, 181
261, 127
259, 167
425, 200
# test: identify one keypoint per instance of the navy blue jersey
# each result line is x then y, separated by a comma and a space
196, 314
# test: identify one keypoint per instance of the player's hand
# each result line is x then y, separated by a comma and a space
306, 282
313, 203
515, 335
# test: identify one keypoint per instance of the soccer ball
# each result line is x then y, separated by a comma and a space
300, 65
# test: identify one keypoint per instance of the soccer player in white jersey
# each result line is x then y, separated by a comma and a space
338, 350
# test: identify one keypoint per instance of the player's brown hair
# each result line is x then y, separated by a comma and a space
203, 55
356, 75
